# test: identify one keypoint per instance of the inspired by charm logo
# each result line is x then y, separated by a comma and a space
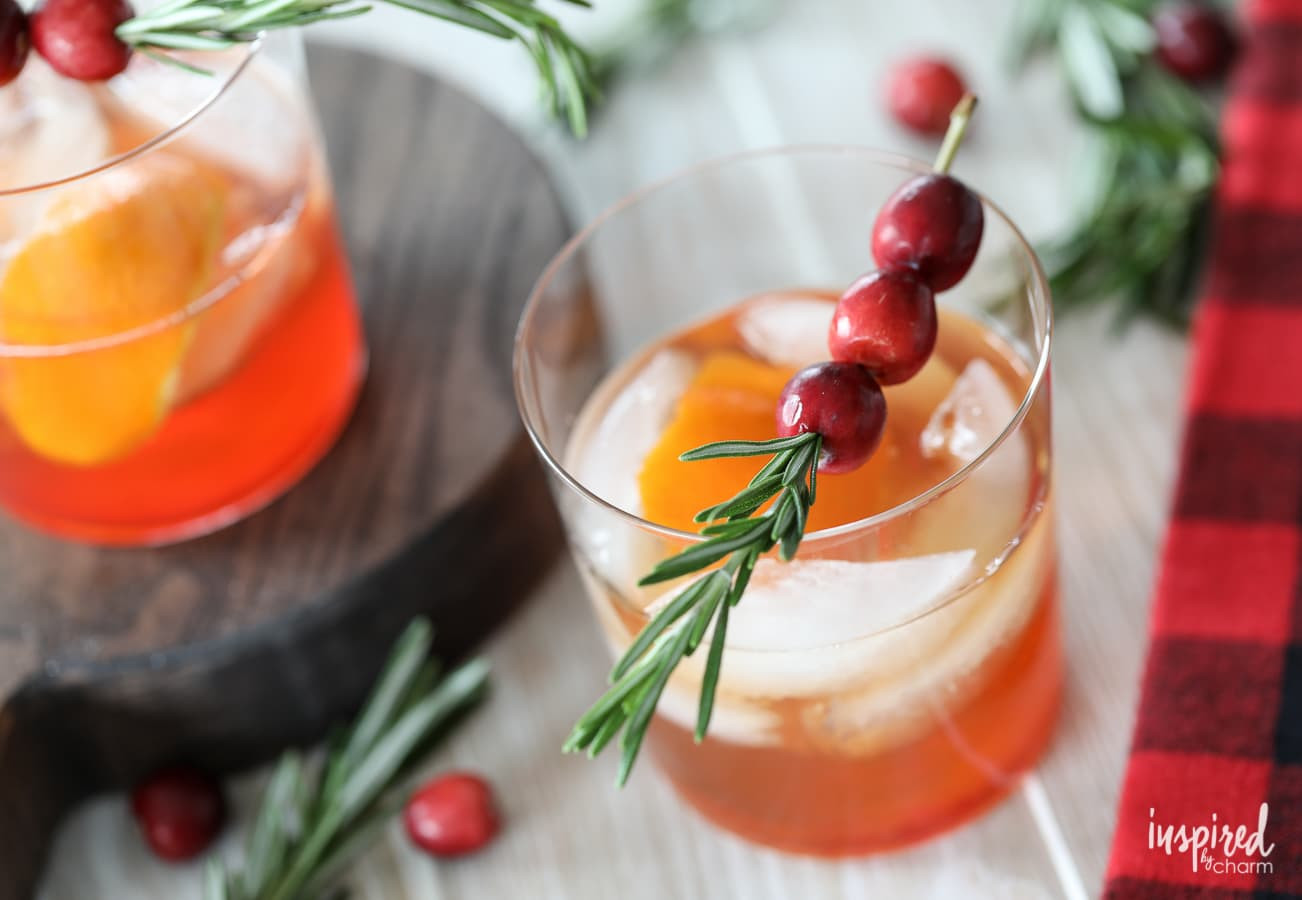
1216, 847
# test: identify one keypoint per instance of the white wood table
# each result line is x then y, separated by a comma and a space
814, 75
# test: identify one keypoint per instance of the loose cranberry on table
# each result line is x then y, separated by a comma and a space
885, 322
14, 41
843, 403
180, 811
76, 37
1194, 41
921, 92
452, 815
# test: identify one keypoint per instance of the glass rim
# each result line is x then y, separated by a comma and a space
190, 309
1038, 280
144, 147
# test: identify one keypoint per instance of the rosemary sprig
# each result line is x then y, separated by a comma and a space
1153, 161
310, 826
563, 66
738, 537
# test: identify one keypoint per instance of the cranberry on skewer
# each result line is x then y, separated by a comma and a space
886, 322
842, 402
14, 40
77, 39
933, 223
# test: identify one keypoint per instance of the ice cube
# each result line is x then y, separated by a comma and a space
615, 433
985, 509
274, 271
809, 604
50, 128
787, 330
617, 428
893, 706
734, 718
257, 127
800, 629
968, 420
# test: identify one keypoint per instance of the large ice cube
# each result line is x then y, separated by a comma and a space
985, 510
257, 128
50, 128
734, 718
968, 420
787, 330
800, 629
614, 433
809, 604
983, 514
884, 711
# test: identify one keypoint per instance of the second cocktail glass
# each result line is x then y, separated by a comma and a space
179, 340
896, 677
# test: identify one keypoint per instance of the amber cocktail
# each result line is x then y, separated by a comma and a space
179, 340
899, 674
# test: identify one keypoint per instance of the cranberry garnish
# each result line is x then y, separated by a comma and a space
180, 811
452, 815
76, 37
933, 224
886, 322
842, 402
14, 41
921, 92
1193, 41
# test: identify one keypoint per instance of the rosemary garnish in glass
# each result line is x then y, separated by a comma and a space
738, 537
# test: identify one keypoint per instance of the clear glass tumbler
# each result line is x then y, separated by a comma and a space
179, 340
896, 677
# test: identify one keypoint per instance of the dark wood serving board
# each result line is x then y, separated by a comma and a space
225, 649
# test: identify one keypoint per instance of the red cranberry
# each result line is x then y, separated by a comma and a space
14, 41
885, 322
842, 402
180, 811
452, 815
921, 92
1193, 41
76, 37
933, 224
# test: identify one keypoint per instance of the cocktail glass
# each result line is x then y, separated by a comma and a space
897, 677
179, 340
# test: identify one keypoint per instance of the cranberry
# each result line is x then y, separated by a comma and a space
1193, 41
885, 322
180, 811
452, 815
933, 224
14, 41
76, 37
842, 402
921, 92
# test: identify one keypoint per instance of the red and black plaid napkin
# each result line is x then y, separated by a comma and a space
1220, 718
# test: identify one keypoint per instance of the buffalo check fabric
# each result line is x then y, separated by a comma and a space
1219, 730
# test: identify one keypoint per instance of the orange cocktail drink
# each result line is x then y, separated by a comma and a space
179, 340
898, 675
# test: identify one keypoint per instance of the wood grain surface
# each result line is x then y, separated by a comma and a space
225, 649
813, 75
